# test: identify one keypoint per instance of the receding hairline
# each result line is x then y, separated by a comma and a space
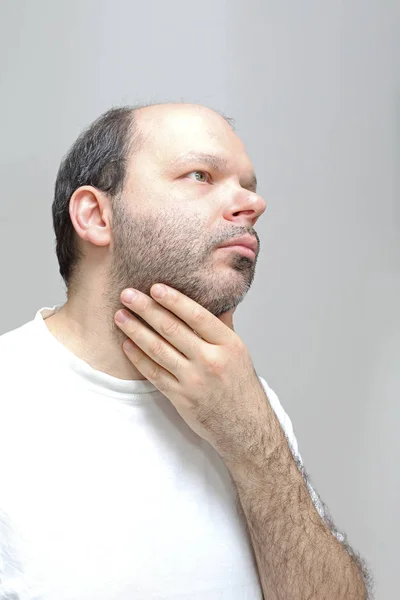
164, 106
140, 132
139, 135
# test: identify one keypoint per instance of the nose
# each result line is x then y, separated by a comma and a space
246, 208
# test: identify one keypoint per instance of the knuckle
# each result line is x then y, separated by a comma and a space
213, 362
155, 373
177, 365
170, 327
156, 348
144, 304
198, 316
139, 360
215, 366
133, 331
173, 298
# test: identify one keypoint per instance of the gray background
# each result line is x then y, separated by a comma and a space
314, 89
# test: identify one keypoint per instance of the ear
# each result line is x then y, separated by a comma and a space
90, 215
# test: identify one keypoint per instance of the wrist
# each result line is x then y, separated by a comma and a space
259, 448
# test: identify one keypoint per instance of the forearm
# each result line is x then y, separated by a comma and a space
298, 556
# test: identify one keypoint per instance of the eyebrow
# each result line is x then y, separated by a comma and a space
216, 162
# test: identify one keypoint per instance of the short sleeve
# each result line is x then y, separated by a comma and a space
283, 418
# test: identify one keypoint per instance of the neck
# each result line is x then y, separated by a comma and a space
85, 326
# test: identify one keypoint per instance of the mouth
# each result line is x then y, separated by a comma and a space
240, 249
247, 241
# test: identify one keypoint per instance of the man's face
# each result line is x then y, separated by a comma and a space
176, 210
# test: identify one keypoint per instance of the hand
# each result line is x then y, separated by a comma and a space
209, 379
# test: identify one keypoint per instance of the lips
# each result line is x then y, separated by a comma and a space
244, 250
246, 240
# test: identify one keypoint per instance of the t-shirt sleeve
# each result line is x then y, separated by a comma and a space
287, 427
283, 417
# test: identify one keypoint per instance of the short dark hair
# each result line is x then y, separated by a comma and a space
99, 157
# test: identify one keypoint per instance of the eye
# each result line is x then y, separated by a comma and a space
204, 173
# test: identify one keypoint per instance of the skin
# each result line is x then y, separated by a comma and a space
166, 231
213, 385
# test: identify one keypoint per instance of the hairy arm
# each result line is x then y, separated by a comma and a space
298, 553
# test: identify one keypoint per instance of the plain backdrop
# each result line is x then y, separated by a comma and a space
313, 87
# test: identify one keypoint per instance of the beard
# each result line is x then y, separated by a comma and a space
168, 248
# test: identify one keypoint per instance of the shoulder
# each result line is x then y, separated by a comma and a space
18, 358
17, 351
11, 340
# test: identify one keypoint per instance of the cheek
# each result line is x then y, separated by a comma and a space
174, 215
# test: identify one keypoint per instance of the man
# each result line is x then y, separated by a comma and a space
170, 469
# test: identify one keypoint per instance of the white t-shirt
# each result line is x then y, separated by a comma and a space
105, 491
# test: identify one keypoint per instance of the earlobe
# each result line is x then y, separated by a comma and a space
89, 215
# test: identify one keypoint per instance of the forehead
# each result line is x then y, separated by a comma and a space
172, 131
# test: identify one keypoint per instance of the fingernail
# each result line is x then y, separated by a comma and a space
128, 295
159, 290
